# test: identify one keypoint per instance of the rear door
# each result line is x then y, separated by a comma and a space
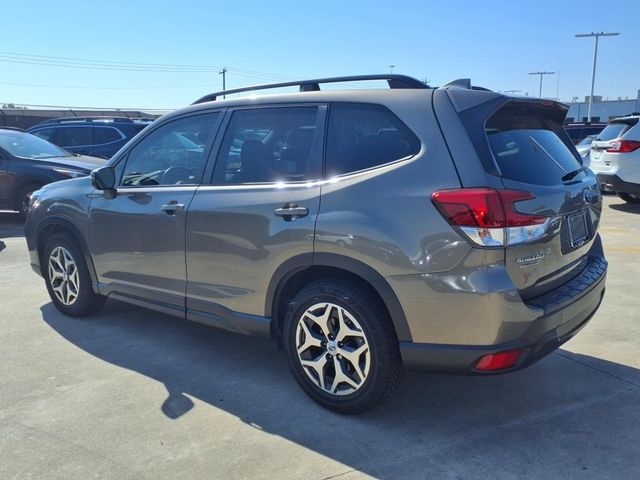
258, 211
534, 155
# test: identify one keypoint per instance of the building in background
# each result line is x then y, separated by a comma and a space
27, 117
602, 110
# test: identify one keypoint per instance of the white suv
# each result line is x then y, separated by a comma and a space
615, 157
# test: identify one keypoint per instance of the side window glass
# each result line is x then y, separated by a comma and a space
74, 136
362, 136
269, 145
45, 134
104, 135
173, 154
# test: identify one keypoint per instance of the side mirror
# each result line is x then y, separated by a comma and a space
104, 179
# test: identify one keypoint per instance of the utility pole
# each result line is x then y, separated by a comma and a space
224, 79
541, 75
595, 59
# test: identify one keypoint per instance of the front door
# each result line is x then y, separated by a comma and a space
137, 239
258, 211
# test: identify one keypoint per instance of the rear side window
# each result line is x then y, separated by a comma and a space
527, 148
362, 136
74, 136
106, 135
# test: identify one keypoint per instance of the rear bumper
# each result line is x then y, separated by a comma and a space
567, 311
614, 182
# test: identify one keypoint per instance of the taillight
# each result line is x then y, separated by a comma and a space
488, 216
498, 361
623, 146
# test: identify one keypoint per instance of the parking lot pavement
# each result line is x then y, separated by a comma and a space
131, 393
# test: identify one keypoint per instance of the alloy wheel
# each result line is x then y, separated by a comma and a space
63, 276
333, 349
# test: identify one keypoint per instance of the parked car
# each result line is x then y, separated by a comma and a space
472, 230
96, 136
584, 148
579, 131
28, 162
615, 157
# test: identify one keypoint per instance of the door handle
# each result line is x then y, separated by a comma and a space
291, 211
172, 207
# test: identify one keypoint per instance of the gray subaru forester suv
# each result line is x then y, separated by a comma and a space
449, 229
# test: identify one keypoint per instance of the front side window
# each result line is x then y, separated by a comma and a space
269, 145
362, 136
45, 134
173, 154
74, 136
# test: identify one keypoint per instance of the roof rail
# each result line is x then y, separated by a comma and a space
95, 118
394, 81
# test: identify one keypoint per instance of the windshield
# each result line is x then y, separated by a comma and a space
25, 145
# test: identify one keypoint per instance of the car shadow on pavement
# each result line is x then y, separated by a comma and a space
562, 416
11, 225
626, 207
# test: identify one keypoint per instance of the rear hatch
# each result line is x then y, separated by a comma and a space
534, 154
600, 162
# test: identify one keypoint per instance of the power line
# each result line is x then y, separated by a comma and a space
79, 87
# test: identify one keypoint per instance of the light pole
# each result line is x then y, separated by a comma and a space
223, 72
541, 75
391, 67
595, 58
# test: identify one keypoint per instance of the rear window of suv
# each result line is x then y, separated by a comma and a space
615, 130
527, 149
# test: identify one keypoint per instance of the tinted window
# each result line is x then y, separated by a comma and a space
45, 134
532, 156
73, 136
105, 135
365, 136
173, 154
613, 130
269, 145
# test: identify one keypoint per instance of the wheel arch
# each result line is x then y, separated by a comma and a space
305, 268
57, 224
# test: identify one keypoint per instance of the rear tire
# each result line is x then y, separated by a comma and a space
629, 197
343, 333
67, 277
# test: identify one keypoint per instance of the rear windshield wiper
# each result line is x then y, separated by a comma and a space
572, 175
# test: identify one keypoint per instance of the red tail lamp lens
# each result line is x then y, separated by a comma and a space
499, 361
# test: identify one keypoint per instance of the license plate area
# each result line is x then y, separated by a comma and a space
578, 230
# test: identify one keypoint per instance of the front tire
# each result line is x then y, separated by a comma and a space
67, 277
629, 198
341, 346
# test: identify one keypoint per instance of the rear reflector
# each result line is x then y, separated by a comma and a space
488, 216
623, 146
498, 361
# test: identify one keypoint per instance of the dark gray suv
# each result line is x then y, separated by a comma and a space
448, 229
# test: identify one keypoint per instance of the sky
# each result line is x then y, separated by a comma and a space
106, 54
